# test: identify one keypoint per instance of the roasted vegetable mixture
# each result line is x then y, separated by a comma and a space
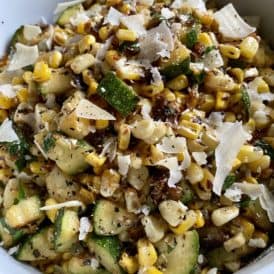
137, 137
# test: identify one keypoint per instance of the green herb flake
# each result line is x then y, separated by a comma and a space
21, 192
229, 181
191, 38
49, 142
267, 148
209, 49
246, 102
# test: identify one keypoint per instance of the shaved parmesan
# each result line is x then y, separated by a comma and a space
7, 133
172, 144
88, 110
257, 242
200, 157
100, 55
195, 4
125, 66
175, 174
213, 59
231, 25
135, 23
231, 137
251, 72
23, 56
13, 250
215, 119
84, 228
167, 13
63, 6
145, 108
79, 18
31, 31
123, 164
75, 203
8, 90
156, 76
113, 17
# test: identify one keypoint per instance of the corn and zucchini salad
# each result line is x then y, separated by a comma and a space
137, 137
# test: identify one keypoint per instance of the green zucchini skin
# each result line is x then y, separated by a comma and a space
65, 16
175, 69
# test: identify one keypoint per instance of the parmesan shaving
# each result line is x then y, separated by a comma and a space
63, 6
172, 144
113, 17
13, 250
231, 137
23, 56
88, 110
135, 23
257, 242
145, 108
167, 13
7, 90
175, 174
231, 25
123, 164
7, 133
156, 76
100, 55
85, 228
79, 18
31, 31
213, 60
200, 158
195, 4
75, 203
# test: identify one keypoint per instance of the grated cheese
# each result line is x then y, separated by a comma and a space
31, 31
195, 4
7, 133
74, 203
172, 144
167, 13
231, 137
231, 25
145, 108
123, 164
85, 228
88, 110
135, 23
63, 6
113, 17
79, 18
23, 56
156, 76
200, 157
213, 59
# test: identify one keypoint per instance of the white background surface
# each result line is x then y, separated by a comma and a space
14, 13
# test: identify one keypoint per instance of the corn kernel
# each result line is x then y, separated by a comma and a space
111, 3
238, 74
27, 77
125, 8
207, 102
22, 95
200, 221
51, 214
95, 160
60, 37
41, 72
250, 125
126, 35
249, 154
251, 180
104, 33
194, 173
236, 164
189, 129
5, 173
222, 100
261, 84
17, 80
204, 39
55, 59
129, 263
90, 81
101, 124
6, 102
230, 51
152, 90
235, 242
37, 168
147, 255
186, 224
178, 83
112, 56
249, 47
3, 115
230, 117
235, 98
81, 28
86, 43
168, 95
87, 197
124, 137
152, 270
260, 165
241, 224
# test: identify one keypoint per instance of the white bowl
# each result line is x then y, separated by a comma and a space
14, 13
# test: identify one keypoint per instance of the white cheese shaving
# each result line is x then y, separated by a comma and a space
31, 31
158, 42
200, 157
213, 59
231, 25
251, 72
13, 250
79, 18
167, 13
172, 144
175, 174
84, 228
123, 164
63, 6
7, 133
8, 90
145, 108
125, 66
156, 76
215, 119
231, 137
196, 67
213, 270
100, 55
2, 243
257, 243
23, 56
135, 23
41, 149
88, 110
75, 203
113, 17
195, 4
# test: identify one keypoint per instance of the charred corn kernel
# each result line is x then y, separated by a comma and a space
194, 173
37, 168
205, 39
156, 154
95, 160
187, 115
230, 117
236, 164
87, 197
51, 214
235, 242
249, 47
112, 56
241, 224
82, 62
111, 3
188, 222
81, 28
27, 76
153, 89
168, 95
92, 88
126, 35
41, 72
222, 100
260, 165
98, 170
55, 59
90, 81
262, 85
129, 263
251, 180
250, 125
104, 33
230, 51
125, 8
123, 137
17, 80
3, 115
207, 102
60, 37
147, 255
238, 74
86, 43
86, 179
110, 182
180, 97
22, 95
235, 98
152, 270
189, 129
178, 83
249, 154
224, 215
200, 221
101, 124
5, 173
6, 102
205, 18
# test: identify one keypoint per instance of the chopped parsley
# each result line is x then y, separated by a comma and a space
246, 102
49, 142
191, 38
229, 181
209, 49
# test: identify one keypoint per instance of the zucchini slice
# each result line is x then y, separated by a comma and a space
110, 219
118, 94
66, 229
68, 13
18, 37
107, 250
176, 68
38, 247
